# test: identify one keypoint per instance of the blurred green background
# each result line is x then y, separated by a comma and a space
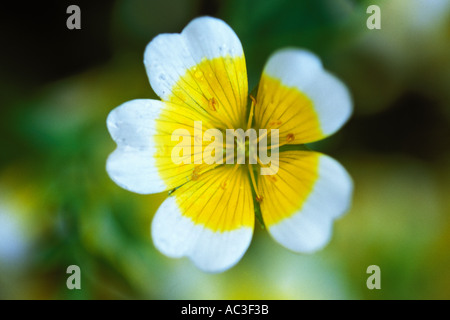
58, 207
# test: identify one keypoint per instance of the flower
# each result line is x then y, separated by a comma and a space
200, 75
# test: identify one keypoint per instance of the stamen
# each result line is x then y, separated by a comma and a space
194, 176
260, 162
275, 123
220, 119
213, 104
290, 137
255, 187
272, 176
250, 116
196, 172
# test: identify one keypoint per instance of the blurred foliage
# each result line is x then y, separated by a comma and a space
58, 207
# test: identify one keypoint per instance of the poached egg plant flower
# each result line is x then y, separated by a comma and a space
200, 75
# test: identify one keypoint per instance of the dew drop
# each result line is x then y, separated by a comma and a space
222, 48
198, 74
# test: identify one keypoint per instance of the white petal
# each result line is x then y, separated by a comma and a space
310, 228
132, 164
168, 56
176, 236
303, 70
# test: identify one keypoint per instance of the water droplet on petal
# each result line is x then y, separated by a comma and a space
198, 74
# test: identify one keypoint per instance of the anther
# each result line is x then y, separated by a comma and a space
196, 173
223, 185
290, 137
252, 108
213, 104
275, 123
194, 176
